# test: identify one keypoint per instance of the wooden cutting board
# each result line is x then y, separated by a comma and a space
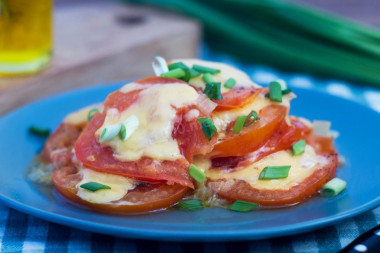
99, 42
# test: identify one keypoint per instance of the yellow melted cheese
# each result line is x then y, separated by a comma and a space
80, 117
155, 109
301, 167
119, 187
226, 72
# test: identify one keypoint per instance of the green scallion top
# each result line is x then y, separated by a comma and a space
212, 91
94, 186
299, 147
243, 206
208, 127
274, 172
203, 69
196, 173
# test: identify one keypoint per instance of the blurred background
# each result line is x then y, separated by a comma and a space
47, 47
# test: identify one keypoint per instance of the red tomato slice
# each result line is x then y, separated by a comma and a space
241, 190
190, 136
145, 197
58, 147
97, 157
253, 136
236, 98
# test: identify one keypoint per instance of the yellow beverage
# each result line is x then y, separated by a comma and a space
25, 35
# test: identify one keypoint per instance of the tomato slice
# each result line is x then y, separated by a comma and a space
191, 141
190, 136
58, 147
241, 190
236, 98
253, 136
144, 198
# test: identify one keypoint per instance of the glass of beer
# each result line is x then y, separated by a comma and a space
25, 36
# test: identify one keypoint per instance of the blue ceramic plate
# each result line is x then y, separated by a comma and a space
358, 143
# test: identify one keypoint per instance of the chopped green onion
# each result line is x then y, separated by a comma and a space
110, 132
283, 92
190, 73
275, 92
299, 147
253, 115
243, 206
239, 123
177, 65
208, 127
94, 186
274, 172
41, 132
190, 205
91, 113
128, 127
286, 91
212, 91
230, 83
194, 73
175, 73
196, 173
207, 77
204, 69
333, 187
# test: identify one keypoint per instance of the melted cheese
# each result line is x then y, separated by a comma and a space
226, 72
223, 118
119, 187
301, 167
80, 117
155, 109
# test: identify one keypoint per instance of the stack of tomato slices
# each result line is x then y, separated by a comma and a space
161, 184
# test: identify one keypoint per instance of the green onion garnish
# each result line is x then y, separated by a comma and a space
275, 92
41, 132
243, 206
194, 73
207, 77
239, 123
283, 92
91, 113
244, 121
190, 73
94, 186
196, 173
128, 127
230, 83
208, 127
299, 147
110, 132
286, 91
204, 69
212, 91
175, 73
274, 172
190, 205
333, 187
177, 65
253, 115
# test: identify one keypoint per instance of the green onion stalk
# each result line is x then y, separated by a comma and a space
288, 36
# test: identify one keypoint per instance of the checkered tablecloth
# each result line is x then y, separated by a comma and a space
24, 233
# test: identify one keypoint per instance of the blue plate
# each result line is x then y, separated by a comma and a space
358, 143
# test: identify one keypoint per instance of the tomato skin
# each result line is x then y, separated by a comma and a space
190, 136
144, 198
236, 98
58, 146
241, 190
253, 136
